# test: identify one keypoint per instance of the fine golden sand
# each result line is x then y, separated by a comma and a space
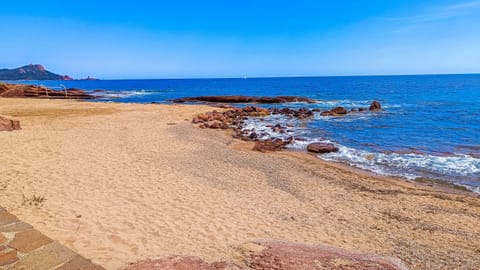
124, 182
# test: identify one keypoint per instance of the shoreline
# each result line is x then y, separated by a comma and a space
233, 118
303, 155
125, 182
432, 185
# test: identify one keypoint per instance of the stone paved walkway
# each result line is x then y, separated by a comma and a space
23, 247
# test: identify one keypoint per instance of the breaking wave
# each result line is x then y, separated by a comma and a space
126, 93
459, 169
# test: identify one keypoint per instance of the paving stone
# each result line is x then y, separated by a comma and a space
32, 250
27, 241
8, 257
47, 257
79, 263
6, 217
16, 227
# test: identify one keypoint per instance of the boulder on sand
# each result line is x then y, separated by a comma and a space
264, 255
276, 144
275, 255
175, 263
9, 125
322, 148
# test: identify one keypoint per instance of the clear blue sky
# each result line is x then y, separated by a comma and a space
163, 39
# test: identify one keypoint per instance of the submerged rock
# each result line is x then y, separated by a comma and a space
244, 99
335, 112
9, 125
340, 111
322, 148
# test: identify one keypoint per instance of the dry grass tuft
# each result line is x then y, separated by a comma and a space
35, 200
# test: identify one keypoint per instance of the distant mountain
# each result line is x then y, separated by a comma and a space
31, 72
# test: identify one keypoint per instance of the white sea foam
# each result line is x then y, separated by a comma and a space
128, 93
123, 94
351, 104
346, 103
411, 166
347, 118
463, 170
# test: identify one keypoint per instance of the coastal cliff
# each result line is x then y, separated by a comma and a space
31, 72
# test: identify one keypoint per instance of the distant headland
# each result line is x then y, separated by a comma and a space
34, 72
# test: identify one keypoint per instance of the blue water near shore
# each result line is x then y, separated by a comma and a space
430, 125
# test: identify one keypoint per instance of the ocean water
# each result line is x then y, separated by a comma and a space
430, 125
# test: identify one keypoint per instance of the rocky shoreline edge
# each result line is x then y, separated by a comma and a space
234, 119
33, 91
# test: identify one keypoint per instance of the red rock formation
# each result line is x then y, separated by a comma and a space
175, 263
271, 145
322, 148
216, 124
234, 118
301, 113
289, 256
339, 111
272, 255
335, 112
215, 119
33, 91
9, 125
375, 106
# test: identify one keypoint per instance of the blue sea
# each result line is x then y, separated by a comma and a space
430, 125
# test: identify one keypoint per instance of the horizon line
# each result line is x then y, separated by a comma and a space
286, 76
261, 77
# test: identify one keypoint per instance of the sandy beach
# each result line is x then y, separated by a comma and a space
124, 182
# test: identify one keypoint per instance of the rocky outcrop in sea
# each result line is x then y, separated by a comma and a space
235, 118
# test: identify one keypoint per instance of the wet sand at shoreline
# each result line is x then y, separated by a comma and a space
124, 182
